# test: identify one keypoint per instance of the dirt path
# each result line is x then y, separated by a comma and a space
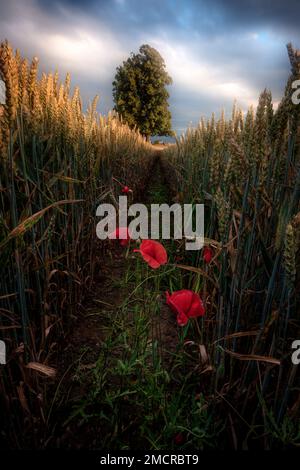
102, 335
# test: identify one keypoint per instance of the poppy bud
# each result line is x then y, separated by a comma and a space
207, 255
178, 439
126, 190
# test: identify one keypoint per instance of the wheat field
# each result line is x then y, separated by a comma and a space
57, 163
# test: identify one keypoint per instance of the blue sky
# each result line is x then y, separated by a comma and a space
216, 51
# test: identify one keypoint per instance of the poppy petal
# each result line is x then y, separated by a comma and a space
182, 319
153, 253
196, 308
186, 304
153, 263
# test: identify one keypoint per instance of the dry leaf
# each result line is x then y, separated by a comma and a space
203, 354
253, 357
49, 371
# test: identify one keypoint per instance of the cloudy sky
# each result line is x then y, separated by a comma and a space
216, 51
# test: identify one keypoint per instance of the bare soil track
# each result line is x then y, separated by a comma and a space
81, 349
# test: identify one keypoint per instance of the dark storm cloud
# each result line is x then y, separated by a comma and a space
215, 50
267, 13
200, 15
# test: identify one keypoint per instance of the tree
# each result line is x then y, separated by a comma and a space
140, 94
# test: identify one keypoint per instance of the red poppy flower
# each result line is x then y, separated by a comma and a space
178, 439
126, 190
121, 234
186, 304
153, 253
207, 254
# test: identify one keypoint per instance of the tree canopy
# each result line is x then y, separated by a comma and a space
140, 94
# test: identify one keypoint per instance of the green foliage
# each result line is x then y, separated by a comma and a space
138, 393
140, 93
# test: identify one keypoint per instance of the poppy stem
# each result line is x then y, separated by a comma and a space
117, 181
